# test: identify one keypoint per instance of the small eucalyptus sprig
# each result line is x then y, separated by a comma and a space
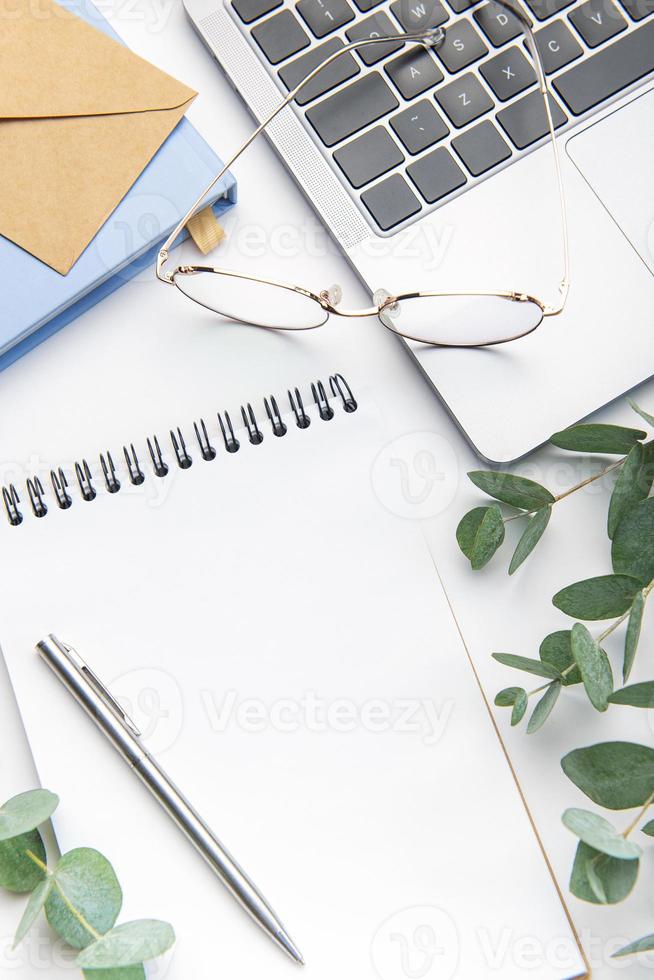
482, 530
614, 775
81, 896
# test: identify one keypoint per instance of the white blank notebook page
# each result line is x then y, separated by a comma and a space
286, 647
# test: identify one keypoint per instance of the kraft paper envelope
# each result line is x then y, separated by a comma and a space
80, 118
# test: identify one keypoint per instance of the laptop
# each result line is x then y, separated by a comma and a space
428, 170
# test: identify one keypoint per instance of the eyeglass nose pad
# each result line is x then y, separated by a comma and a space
380, 298
333, 295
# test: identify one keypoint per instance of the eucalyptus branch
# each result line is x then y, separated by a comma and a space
611, 774
88, 923
566, 493
590, 479
610, 629
482, 530
634, 823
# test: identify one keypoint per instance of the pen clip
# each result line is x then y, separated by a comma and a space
100, 689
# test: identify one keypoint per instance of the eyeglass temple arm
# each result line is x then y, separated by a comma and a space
428, 38
564, 285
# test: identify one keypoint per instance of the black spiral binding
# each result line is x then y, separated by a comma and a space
325, 410
201, 434
36, 494
60, 487
232, 445
109, 472
136, 474
297, 407
83, 474
276, 421
11, 501
250, 422
63, 497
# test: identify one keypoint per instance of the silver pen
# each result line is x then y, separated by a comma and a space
110, 718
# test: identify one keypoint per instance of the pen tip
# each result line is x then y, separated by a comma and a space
289, 947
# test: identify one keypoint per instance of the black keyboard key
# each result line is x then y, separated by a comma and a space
458, 6
280, 36
418, 15
542, 9
391, 202
324, 16
481, 148
414, 72
508, 73
609, 71
339, 71
462, 46
638, 9
557, 46
464, 99
498, 24
366, 5
436, 175
377, 25
368, 156
597, 21
249, 10
525, 121
419, 126
351, 108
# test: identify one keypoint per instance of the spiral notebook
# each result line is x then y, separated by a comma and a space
284, 644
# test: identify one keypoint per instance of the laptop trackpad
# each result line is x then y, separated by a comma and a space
616, 157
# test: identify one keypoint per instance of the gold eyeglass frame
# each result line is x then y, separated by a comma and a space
428, 38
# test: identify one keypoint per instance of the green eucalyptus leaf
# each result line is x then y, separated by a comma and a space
26, 812
544, 707
633, 484
641, 411
36, 902
530, 537
648, 828
600, 834
596, 883
528, 665
480, 533
638, 946
556, 650
90, 885
128, 945
615, 775
633, 543
632, 635
519, 708
594, 667
602, 597
18, 873
637, 695
468, 528
596, 438
613, 878
119, 973
507, 697
515, 490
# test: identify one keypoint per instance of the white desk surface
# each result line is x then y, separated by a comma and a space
274, 229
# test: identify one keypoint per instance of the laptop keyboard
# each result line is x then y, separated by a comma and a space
408, 129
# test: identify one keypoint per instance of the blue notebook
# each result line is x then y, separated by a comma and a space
38, 301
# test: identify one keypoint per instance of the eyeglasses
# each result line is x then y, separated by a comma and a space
451, 319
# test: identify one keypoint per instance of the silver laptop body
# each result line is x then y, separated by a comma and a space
496, 229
